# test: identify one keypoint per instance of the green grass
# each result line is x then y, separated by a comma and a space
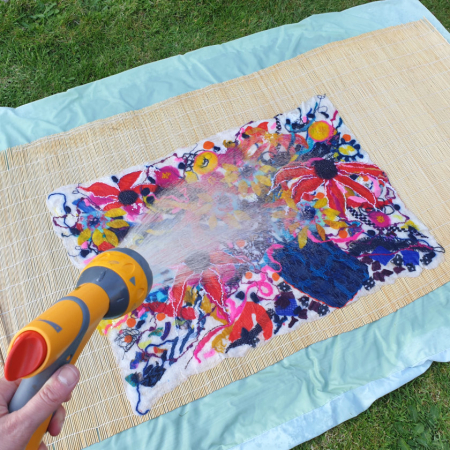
49, 47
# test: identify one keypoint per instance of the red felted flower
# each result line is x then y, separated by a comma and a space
125, 196
211, 271
335, 177
252, 312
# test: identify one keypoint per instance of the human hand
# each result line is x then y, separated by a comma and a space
17, 428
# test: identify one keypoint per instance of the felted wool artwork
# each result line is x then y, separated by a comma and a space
249, 233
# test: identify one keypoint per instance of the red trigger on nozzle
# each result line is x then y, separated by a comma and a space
26, 355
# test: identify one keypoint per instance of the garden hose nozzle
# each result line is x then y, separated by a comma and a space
114, 283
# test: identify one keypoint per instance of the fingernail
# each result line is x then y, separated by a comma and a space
68, 375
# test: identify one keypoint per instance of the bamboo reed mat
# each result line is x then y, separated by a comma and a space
392, 90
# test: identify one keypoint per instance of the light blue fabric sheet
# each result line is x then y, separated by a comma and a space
318, 387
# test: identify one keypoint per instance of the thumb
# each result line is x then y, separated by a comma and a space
54, 392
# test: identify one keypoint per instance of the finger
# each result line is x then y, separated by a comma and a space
50, 397
42, 446
68, 398
7, 389
57, 421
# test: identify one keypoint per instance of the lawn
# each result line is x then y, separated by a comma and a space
49, 47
